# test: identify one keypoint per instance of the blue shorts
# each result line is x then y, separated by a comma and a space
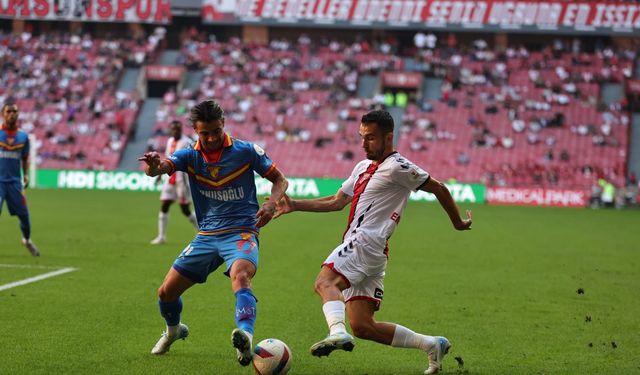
207, 252
16, 201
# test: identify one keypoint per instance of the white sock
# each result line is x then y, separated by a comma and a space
163, 219
173, 330
194, 221
334, 313
406, 338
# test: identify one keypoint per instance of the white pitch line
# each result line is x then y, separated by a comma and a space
36, 278
26, 266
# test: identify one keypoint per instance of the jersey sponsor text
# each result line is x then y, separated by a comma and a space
226, 195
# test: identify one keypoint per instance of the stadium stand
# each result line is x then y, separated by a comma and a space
512, 117
509, 119
65, 86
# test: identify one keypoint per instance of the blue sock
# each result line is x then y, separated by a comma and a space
170, 311
25, 226
245, 309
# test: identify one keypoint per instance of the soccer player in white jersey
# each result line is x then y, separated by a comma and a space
352, 276
176, 188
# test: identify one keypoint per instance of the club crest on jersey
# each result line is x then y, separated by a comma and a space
258, 149
414, 174
10, 141
213, 171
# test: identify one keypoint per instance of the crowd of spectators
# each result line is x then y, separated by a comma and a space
522, 118
510, 117
66, 88
298, 94
513, 117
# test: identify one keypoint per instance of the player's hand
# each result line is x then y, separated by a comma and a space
265, 213
151, 158
25, 181
464, 224
283, 206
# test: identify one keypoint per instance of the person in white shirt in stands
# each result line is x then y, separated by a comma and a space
176, 187
352, 276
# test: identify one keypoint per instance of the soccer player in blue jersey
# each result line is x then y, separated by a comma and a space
221, 178
14, 160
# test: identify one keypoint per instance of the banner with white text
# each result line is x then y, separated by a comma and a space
610, 17
537, 197
131, 11
299, 187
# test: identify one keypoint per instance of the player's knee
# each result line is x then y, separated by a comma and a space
164, 208
321, 285
164, 295
242, 277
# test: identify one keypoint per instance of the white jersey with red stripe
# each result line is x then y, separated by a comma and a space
379, 194
174, 145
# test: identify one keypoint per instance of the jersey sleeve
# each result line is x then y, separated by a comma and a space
26, 148
349, 184
408, 174
260, 162
180, 159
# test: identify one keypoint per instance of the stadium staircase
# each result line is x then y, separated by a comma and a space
144, 131
169, 57
410, 64
431, 89
397, 113
367, 86
611, 93
193, 80
129, 79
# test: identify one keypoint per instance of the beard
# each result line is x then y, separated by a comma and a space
376, 154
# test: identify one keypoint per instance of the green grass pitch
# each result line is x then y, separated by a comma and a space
505, 293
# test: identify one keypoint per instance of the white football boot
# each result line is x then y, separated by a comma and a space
158, 240
163, 345
436, 355
242, 342
31, 247
339, 340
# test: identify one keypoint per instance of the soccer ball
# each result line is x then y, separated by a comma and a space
272, 357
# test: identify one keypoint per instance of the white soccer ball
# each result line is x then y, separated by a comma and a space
271, 357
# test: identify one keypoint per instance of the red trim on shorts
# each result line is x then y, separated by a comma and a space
366, 298
333, 268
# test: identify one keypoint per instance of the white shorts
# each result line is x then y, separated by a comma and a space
178, 192
362, 265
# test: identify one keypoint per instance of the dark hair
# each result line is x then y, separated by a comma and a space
175, 123
206, 111
380, 117
8, 103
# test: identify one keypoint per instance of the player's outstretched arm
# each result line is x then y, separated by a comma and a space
325, 204
443, 195
268, 209
155, 165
